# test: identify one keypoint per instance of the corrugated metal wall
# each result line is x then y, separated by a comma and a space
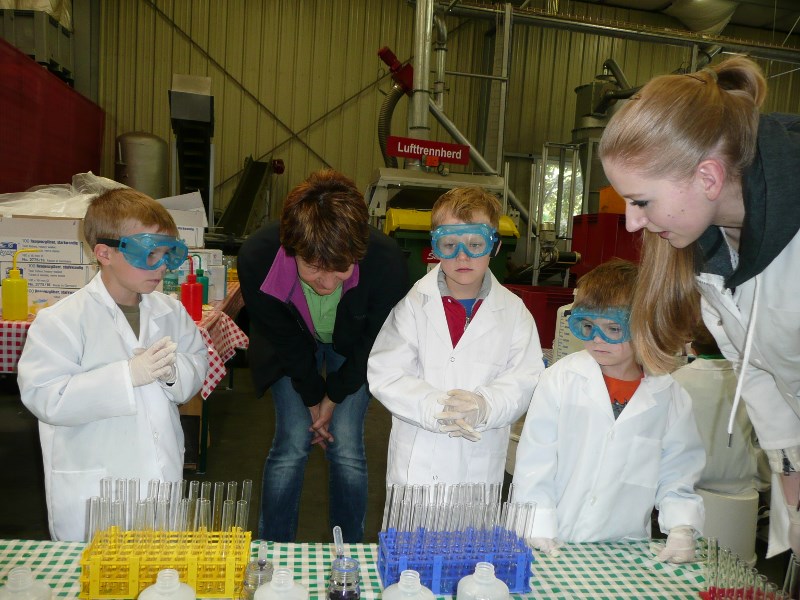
300, 80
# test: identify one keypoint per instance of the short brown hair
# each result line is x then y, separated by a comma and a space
114, 211
462, 202
609, 285
325, 222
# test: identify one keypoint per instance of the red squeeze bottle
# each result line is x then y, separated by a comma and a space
192, 294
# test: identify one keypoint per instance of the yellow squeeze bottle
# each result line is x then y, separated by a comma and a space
15, 292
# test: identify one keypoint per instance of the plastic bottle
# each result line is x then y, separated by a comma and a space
15, 291
170, 284
408, 588
345, 581
21, 585
192, 294
257, 573
168, 586
482, 585
202, 279
282, 587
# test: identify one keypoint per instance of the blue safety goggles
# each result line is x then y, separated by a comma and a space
612, 324
474, 239
150, 250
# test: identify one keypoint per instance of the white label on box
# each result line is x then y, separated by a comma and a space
51, 251
52, 275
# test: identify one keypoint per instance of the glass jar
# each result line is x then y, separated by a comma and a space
255, 576
345, 580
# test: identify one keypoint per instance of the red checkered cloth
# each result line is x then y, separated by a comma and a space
221, 335
12, 339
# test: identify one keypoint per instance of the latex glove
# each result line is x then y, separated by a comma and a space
680, 545
461, 404
549, 546
153, 363
459, 428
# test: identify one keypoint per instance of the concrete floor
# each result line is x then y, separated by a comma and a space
241, 429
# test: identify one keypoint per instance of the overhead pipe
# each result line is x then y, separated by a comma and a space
440, 54
474, 155
678, 38
423, 27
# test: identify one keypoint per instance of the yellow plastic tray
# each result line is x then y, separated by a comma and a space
120, 564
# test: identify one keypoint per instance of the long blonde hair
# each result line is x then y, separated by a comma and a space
665, 131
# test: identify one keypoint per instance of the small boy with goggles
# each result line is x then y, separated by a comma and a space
604, 443
149, 251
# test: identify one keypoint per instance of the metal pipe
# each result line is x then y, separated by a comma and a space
423, 28
507, 25
474, 155
477, 75
440, 54
616, 71
624, 31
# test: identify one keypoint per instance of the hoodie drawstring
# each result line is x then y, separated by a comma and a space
748, 344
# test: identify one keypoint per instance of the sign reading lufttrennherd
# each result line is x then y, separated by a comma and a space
412, 148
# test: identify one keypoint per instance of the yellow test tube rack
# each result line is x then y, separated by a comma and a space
120, 564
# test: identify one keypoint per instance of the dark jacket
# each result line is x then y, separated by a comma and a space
281, 342
772, 212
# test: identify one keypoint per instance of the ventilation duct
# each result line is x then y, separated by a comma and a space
703, 16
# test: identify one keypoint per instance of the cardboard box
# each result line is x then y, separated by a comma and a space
59, 240
189, 213
52, 275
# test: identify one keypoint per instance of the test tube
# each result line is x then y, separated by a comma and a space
397, 507
242, 514
247, 490
140, 516
152, 488
162, 515
219, 498
232, 487
228, 508
164, 490
94, 517
202, 515
133, 498
174, 503
205, 490
387, 507
105, 487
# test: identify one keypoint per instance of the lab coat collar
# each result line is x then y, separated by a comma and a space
583, 365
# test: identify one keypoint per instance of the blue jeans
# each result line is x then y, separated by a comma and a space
285, 467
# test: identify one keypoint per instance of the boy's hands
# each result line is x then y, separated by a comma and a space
155, 362
680, 545
549, 546
463, 410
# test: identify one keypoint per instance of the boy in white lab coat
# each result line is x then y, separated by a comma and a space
604, 443
105, 368
458, 358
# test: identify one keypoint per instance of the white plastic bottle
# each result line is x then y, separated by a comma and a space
282, 587
168, 586
482, 585
21, 585
408, 588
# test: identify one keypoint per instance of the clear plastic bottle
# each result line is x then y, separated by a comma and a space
282, 587
345, 580
408, 588
257, 573
168, 586
482, 585
21, 585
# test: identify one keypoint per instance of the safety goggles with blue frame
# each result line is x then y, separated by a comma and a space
474, 239
611, 324
150, 250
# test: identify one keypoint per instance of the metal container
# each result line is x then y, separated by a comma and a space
142, 163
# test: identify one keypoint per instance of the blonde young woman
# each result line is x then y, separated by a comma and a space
715, 185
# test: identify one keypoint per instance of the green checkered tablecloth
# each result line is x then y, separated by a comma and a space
596, 571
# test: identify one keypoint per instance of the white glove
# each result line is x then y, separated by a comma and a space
549, 546
155, 362
680, 545
461, 404
459, 428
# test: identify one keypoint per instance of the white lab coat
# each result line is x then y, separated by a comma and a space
413, 364
771, 388
597, 479
74, 377
730, 469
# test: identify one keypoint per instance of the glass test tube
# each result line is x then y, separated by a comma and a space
247, 490
228, 509
242, 509
219, 498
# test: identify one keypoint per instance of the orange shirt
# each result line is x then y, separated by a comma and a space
620, 392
